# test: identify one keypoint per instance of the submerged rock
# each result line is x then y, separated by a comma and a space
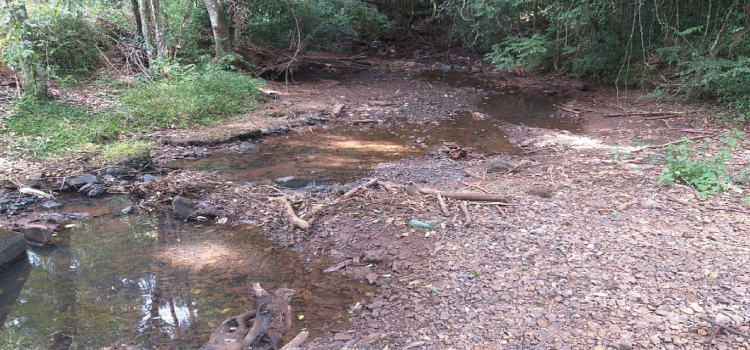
249, 148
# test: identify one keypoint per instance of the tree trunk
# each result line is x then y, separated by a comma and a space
154, 35
137, 15
222, 41
33, 73
160, 37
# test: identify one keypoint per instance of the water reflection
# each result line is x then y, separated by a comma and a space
159, 284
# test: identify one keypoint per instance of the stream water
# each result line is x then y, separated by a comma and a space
341, 153
156, 283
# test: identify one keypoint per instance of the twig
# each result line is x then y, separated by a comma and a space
443, 207
339, 266
636, 114
663, 117
465, 209
567, 110
728, 329
670, 143
677, 200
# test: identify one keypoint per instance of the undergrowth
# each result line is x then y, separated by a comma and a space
45, 129
704, 169
201, 98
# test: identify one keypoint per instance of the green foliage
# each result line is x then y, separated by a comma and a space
72, 44
701, 168
200, 98
131, 152
321, 23
515, 51
187, 96
46, 128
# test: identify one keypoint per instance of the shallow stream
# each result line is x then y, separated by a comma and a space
157, 283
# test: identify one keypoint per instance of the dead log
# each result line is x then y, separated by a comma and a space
291, 215
261, 329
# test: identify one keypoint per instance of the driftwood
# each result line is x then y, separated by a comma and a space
297, 341
642, 114
261, 329
291, 215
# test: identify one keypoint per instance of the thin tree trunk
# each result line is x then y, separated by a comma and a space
183, 27
147, 28
222, 41
137, 15
160, 38
33, 73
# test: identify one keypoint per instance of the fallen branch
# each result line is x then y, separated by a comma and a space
642, 114
38, 193
364, 121
297, 341
339, 266
443, 207
668, 116
291, 215
467, 196
465, 210
670, 143
567, 110
728, 329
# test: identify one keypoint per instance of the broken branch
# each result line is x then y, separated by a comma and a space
636, 114
291, 215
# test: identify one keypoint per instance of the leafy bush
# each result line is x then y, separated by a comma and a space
699, 168
515, 51
72, 44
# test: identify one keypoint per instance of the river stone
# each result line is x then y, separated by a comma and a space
502, 166
50, 204
283, 180
38, 233
81, 180
182, 207
12, 247
249, 148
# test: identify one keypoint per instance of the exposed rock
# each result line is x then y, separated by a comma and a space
374, 256
182, 207
12, 247
148, 177
81, 180
51, 204
502, 166
39, 233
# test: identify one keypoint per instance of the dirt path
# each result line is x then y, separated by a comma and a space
592, 253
